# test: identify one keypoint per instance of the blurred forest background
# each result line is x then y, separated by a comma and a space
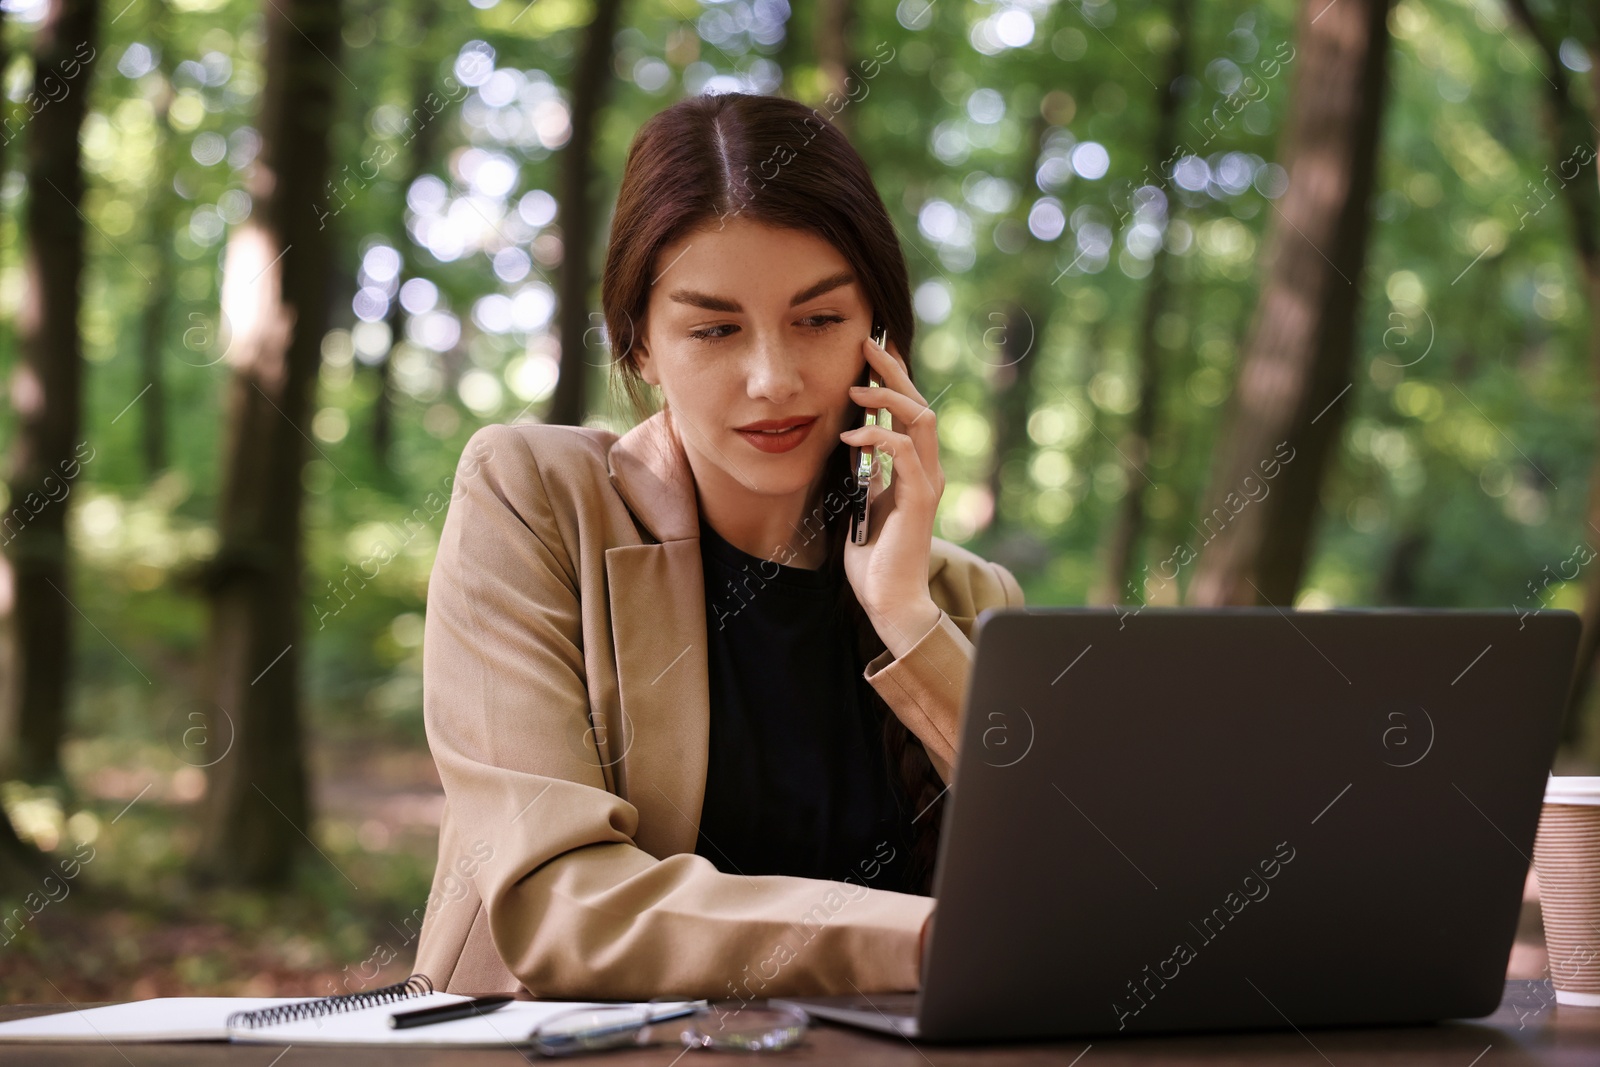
1256, 302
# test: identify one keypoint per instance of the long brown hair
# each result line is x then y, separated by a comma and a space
766, 159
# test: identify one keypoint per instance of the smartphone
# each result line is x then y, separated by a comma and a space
861, 458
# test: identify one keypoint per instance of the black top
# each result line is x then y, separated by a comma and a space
797, 782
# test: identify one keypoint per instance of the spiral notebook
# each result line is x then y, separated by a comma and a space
349, 1019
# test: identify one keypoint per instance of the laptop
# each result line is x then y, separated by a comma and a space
1179, 820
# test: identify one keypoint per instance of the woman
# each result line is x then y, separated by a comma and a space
692, 742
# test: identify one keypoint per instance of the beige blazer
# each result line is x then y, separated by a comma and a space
566, 700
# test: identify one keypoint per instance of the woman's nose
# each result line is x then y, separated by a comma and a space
773, 371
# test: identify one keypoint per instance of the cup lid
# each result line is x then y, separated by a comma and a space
1572, 789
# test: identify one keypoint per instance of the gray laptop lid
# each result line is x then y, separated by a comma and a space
1188, 819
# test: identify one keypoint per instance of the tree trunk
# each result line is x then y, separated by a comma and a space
791, 52
834, 21
1019, 355
1127, 535
22, 867
158, 301
274, 295
1288, 405
1569, 123
1397, 584
47, 390
422, 141
591, 81
1011, 389
9, 704
17, 860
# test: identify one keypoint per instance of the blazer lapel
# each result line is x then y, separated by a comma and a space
657, 601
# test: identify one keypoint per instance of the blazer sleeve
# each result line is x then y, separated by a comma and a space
926, 686
575, 909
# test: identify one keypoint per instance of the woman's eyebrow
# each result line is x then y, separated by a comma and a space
720, 303
826, 285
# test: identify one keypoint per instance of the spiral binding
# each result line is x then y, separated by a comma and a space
415, 986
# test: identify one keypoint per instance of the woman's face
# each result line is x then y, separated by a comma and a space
748, 323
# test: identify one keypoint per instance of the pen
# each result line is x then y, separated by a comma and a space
687, 1008
446, 1012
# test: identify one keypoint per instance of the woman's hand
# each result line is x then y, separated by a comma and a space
922, 941
890, 572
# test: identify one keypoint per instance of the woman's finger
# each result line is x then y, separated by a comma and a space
907, 454
908, 413
891, 367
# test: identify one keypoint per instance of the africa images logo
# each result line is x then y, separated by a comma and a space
1255, 889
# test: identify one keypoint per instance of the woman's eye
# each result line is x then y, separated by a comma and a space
814, 323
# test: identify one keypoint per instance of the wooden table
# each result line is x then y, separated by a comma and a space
1529, 1028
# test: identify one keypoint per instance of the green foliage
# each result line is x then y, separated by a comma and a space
1009, 172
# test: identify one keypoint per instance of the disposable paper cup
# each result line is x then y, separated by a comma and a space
1566, 854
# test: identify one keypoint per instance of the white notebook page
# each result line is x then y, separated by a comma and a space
205, 1019
507, 1025
161, 1019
